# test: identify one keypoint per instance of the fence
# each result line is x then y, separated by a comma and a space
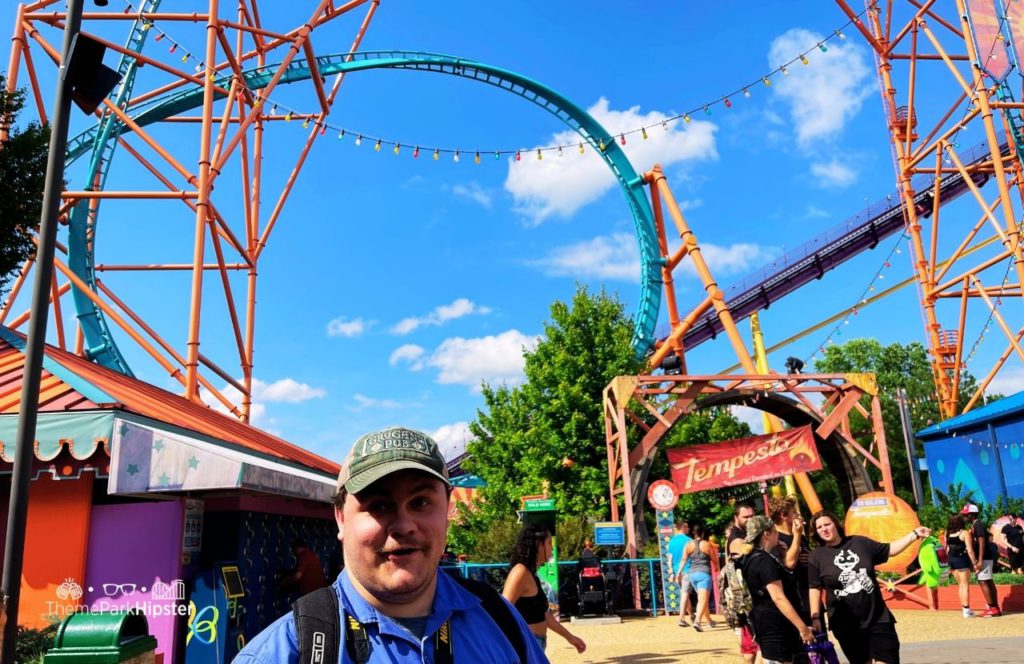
618, 577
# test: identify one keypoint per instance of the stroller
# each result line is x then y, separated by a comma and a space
593, 597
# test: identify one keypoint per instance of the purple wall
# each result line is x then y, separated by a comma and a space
140, 544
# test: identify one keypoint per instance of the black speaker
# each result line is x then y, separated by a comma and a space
90, 80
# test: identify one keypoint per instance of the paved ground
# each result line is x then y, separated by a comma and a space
928, 638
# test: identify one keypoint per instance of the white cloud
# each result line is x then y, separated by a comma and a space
440, 315
473, 192
834, 174
407, 353
753, 417
342, 327
364, 402
559, 186
617, 257
815, 212
692, 204
827, 92
452, 438
493, 359
285, 390
1007, 382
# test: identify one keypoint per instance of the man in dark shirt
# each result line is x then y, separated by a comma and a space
1013, 538
984, 559
734, 547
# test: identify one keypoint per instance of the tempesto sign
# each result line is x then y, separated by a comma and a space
744, 460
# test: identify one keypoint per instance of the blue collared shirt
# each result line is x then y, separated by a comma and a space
475, 636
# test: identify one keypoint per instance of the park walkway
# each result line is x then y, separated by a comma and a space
932, 638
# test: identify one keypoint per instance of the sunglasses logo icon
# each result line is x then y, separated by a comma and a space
111, 589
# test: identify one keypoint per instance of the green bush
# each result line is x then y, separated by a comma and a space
33, 644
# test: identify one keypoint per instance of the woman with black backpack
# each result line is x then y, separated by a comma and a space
778, 628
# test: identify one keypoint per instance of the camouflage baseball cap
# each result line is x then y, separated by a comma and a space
757, 526
380, 453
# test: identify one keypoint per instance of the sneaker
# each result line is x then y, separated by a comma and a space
682, 622
991, 612
968, 613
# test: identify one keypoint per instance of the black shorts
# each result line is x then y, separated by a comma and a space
960, 562
878, 642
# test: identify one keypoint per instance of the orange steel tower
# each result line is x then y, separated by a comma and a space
949, 75
191, 113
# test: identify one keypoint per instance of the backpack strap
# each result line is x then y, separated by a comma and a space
318, 624
317, 621
500, 612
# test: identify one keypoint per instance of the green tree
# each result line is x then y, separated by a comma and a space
22, 176
550, 429
895, 366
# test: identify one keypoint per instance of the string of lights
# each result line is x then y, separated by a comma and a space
414, 148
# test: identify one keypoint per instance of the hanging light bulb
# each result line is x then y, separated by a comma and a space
159, 36
323, 129
376, 147
305, 123
686, 118
455, 157
273, 109
804, 60
559, 150
416, 152
601, 145
784, 70
822, 47
437, 154
767, 82
839, 33
173, 48
622, 139
519, 156
581, 148
540, 156
476, 158
707, 110
643, 132
341, 135
288, 117
728, 104
746, 93
398, 148
497, 155
664, 125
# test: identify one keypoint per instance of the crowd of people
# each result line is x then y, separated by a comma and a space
389, 603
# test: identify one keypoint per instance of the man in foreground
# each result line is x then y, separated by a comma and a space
389, 604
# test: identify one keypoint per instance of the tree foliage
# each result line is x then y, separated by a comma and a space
895, 366
22, 176
550, 429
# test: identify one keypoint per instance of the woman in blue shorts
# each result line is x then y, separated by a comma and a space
699, 553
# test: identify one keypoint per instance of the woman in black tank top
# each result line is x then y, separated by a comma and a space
524, 591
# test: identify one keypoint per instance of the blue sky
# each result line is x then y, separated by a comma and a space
393, 286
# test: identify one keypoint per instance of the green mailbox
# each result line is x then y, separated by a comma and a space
103, 638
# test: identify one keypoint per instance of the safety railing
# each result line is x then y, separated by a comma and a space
618, 574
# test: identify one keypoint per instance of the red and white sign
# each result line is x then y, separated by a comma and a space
744, 460
662, 495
